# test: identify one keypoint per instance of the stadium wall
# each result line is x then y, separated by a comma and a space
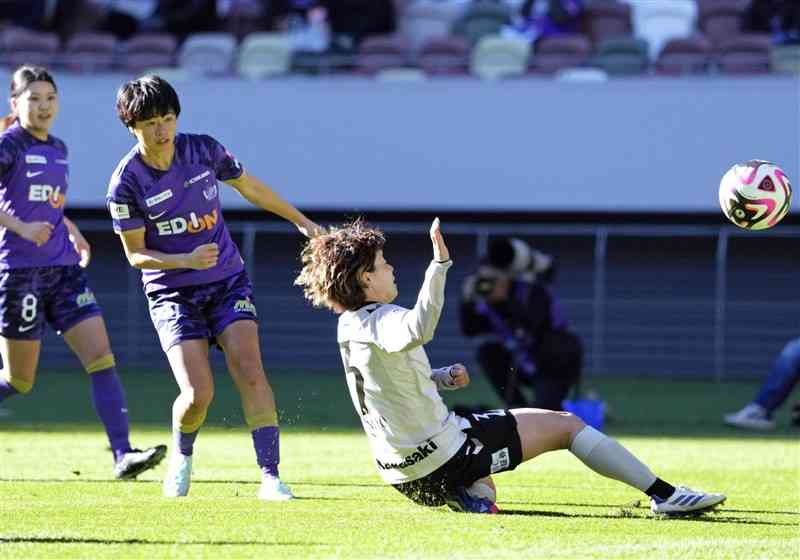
534, 145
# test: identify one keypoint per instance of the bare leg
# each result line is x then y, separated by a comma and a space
20, 360
189, 362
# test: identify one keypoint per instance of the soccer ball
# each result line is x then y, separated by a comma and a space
755, 194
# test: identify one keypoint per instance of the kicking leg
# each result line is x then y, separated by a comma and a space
89, 341
243, 357
541, 431
189, 362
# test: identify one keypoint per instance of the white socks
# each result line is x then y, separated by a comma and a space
607, 457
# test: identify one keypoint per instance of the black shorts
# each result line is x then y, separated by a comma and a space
492, 446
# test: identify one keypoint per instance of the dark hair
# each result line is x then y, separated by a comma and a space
145, 98
24, 76
333, 262
501, 253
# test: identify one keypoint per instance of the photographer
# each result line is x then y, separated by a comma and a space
509, 307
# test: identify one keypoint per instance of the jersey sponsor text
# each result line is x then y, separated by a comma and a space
422, 452
194, 224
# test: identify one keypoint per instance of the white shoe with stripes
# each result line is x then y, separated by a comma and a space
685, 500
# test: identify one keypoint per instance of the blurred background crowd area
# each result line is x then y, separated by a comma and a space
487, 38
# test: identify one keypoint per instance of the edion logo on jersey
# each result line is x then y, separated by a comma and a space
192, 224
46, 193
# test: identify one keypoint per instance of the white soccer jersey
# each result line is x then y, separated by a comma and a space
410, 429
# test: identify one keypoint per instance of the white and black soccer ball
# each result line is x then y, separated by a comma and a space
755, 194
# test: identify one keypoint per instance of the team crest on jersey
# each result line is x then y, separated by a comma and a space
500, 460
210, 192
33, 158
85, 298
245, 306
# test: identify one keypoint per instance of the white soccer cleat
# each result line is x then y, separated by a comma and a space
751, 417
274, 490
179, 476
685, 500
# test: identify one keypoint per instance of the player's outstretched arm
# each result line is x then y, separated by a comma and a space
260, 195
440, 252
139, 256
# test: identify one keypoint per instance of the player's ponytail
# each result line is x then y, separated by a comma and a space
24, 76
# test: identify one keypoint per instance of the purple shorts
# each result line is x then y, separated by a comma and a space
196, 312
59, 295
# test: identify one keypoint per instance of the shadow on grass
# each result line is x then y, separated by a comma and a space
628, 514
634, 507
87, 540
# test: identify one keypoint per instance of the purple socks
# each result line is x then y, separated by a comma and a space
109, 402
6, 390
185, 442
265, 441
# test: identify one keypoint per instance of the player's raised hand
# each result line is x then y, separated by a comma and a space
459, 376
310, 229
440, 252
204, 256
36, 232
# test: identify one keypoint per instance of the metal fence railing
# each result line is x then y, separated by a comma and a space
705, 301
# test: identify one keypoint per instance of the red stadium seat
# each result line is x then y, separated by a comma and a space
148, 50
559, 52
721, 19
444, 55
23, 46
90, 52
381, 52
749, 53
691, 55
608, 19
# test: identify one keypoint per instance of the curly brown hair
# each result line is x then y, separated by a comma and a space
333, 263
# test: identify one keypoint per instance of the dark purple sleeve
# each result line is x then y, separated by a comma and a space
123, 205
225, 165
8, 155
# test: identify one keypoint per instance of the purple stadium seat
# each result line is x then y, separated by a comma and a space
23, 46
444, 55
148, 50
90, 52
380, 52
560, 51
721, 19
690, 55
608, 19
749, 53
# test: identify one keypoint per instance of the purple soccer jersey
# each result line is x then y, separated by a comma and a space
33, 186
178, 208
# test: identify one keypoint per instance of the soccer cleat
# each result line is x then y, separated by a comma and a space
685, 500
179, 476
461, 501
751, 417
136, 461
274, 490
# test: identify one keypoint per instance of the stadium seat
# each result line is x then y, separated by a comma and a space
684, 56
24, 46
481, 19
623, 56
748, 53
148, 50
721, 19
381, 52
90, 52
444, 55
607, 19
207, 53
658, 22
427, 19
499, 57
262, 55
559, 52
786, 59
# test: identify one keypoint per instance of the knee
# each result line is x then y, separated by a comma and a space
250, 371
570, 426
199, 397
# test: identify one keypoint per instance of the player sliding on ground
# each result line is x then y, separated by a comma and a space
428, 453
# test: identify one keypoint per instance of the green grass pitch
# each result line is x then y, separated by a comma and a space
58, 499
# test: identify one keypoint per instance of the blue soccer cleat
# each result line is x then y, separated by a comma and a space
461, 501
